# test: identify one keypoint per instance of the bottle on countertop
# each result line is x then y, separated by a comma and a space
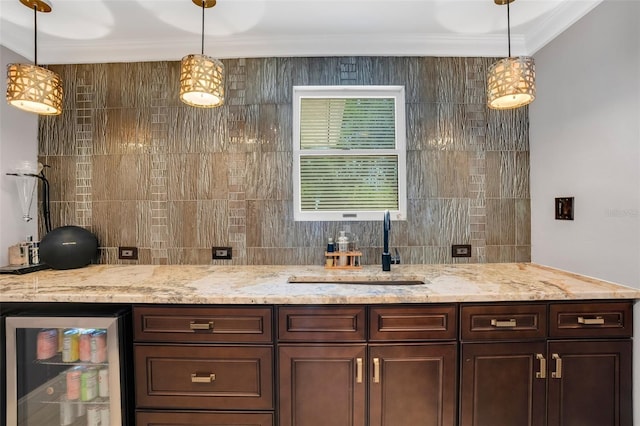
331, 247
343, 247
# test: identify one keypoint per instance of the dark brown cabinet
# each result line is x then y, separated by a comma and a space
413, 384
518, 376
501, 384
410, 376
204, 366
322, 385
468, 364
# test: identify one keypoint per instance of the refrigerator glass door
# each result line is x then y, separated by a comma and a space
63, 371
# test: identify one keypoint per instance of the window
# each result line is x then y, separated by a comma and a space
349, 152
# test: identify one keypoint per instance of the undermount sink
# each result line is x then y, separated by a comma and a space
358, 279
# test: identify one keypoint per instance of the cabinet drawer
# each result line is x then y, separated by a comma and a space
321, 324
501, 322
409, 323
206, 377
191, 418
199, 324
610, 319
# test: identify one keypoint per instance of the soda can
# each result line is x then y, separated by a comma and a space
84, 346
70, 346
81, 410
47, 343
104, 416
99, 346
73, 383
103, 383
93, 415
89, 384
66, 412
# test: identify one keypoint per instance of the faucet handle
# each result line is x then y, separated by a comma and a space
395, 260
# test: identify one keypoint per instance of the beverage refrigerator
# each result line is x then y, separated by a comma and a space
68, 370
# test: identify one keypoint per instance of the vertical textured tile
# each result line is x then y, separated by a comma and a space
422, 175
501, 228
324, 71
523, 222
269, 176
213, 223
263, 74
84, 107
237, 206
56, 134
59, 171
236, 84
158, 174
212, 176
188, 178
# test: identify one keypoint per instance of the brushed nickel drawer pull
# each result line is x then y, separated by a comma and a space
376, 370
358, 370
558, 373
591, 321
203, 379
201, 326
542, 374
504, 324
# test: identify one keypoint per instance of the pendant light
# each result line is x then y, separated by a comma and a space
202, 77
30, 87
511, 81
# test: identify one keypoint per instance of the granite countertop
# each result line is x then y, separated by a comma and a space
191, 284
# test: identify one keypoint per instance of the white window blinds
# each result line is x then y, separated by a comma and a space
349, 152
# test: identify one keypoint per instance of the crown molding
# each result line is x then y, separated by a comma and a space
95, 51
564, 16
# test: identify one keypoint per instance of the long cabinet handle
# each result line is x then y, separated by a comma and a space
591, 321
358, 370
208, 378
504, 324
201, 326
542, 374
558, 373
376, 370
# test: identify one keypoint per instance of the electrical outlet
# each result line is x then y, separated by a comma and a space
461, 250
128, 253
221, 253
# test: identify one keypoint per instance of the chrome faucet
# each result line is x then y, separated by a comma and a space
386, 256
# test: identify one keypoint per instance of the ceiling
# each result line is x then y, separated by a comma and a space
95, 31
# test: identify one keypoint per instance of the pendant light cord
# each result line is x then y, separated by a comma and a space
35, 34
202, 43
509, 28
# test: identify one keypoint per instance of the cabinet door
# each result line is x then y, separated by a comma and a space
413, 384
503, 384
590, 383
322, 385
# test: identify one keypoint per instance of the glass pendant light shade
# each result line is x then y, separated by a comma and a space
34, 89
511, 83
201, 81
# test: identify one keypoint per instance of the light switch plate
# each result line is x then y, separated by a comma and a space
564, 208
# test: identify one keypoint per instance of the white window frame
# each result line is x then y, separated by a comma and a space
396, 92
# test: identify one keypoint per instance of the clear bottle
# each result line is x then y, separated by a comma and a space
343, 247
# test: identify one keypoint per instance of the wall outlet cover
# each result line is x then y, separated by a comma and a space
461, 250
221, 253
128, 253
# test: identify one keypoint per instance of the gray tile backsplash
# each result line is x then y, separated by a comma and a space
137, 167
